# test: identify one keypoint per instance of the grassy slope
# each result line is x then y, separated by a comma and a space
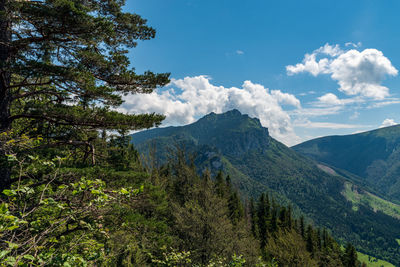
372, 261
358, 196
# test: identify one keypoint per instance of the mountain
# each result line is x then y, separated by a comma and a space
374, 156
239, 146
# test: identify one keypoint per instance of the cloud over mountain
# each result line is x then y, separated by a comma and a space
185, 100
387, 123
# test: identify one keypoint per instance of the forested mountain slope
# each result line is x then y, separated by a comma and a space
373, 155
242, 148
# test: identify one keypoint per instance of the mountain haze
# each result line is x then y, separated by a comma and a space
239, 146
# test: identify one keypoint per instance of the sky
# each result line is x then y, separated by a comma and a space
305, 68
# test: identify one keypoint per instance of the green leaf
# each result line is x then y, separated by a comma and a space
29, 257
9, 192
12, 245
13, 227
11, 261
4, 253
3, 208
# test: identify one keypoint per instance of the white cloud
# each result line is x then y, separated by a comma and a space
239, 52
385, 103
387, 123
357, 73
185, 100
329, 50
355, 115
357, 45
330, 99
327, 125
316, 112
285, 98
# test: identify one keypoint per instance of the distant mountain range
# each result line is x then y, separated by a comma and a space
336, 198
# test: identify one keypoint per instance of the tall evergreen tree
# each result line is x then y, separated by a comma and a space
220, 185
262, 220
350, 256
302, 227
253, 218
64, 65
310, 240
235, 206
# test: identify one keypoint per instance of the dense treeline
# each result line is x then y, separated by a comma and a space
292, 241
117, 213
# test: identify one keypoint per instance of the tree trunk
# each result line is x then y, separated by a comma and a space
5, 78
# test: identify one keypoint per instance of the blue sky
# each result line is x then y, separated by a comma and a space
305, 68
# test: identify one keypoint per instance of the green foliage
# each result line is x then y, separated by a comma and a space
55, 219
174, 258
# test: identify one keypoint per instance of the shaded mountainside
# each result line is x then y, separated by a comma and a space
232, 133
239, 146
373, 155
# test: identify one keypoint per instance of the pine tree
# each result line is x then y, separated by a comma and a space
262, 220
220, 185
302, 227
253, 218
283, 217
319, 243
235, 206
350, 256
289, 216
274, 220
64, 66
228, 181
310, 240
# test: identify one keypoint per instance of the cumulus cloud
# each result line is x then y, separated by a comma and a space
185, 100
239, 52
330, 99
357, 73
285, 98
387, 123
